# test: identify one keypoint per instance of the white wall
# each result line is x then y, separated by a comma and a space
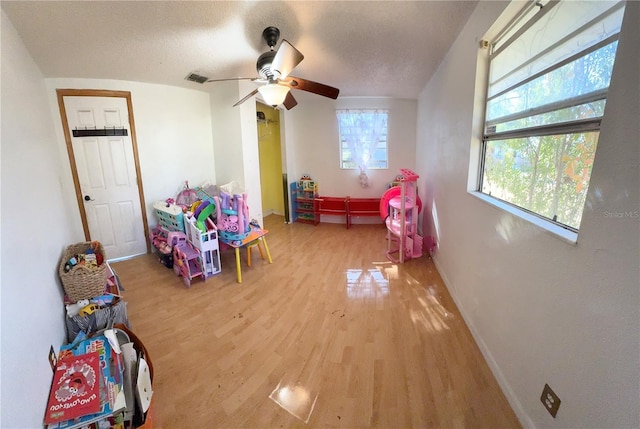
173, 130
251, 153
35, 229
226, 131
39, 211
235, 139
542, 310
312, 144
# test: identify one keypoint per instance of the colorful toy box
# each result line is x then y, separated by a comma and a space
169, 215
232, 216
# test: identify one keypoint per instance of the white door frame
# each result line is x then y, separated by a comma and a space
72, 160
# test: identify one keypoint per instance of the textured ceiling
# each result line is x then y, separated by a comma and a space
364, 48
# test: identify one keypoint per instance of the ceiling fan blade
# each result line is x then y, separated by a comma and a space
290, 102
233, 78
286, 59
310, 86
248, 96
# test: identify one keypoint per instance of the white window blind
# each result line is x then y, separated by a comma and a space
549, 74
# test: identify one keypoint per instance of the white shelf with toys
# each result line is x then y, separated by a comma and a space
206, 243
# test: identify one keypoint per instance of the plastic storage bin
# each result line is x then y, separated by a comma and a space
169, 216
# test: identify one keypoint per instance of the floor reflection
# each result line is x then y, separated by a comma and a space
430, 314
368, 283
295, 399
424, 308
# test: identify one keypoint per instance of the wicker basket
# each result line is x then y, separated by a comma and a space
83, 282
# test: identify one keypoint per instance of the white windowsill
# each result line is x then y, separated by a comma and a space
565, 234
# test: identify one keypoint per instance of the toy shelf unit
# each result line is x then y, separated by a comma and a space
206, 243
403, 241
304, 198
169, 215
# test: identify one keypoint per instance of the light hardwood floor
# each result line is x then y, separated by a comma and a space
330, 335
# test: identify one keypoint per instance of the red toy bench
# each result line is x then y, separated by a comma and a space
334, 206
362, 207
348, 207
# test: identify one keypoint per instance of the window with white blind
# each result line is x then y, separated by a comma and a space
549, 73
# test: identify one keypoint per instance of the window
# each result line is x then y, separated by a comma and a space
363, 139
549, 72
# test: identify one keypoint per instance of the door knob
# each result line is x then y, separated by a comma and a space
88, 198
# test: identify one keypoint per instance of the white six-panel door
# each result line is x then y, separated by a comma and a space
107, 174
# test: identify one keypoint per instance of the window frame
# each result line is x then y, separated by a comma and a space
343, 145
581, 126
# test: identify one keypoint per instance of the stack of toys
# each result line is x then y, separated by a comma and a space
159, 236
232, 216
102, 381
92, 258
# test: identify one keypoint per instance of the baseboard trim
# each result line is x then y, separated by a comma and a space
508, 392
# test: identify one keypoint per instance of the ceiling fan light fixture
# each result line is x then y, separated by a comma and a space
273, 94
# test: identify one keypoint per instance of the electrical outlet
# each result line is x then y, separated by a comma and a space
550, 400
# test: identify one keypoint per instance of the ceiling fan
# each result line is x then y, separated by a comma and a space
273, 69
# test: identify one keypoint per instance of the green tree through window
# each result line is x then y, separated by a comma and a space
543, 118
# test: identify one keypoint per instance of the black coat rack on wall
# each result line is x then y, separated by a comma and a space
100, 132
